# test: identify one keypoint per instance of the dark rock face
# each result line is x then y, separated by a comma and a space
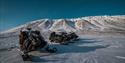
62, 37
32, 42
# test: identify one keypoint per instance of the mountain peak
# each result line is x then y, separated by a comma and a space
91, 23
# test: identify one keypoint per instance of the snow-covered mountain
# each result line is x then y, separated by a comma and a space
91, 48
91, 23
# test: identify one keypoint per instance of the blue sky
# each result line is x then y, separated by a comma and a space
17, 12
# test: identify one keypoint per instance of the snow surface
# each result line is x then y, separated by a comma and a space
102, 40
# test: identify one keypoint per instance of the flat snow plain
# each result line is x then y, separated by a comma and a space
91, 48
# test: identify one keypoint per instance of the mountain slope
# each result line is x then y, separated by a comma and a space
90, 48
92, 23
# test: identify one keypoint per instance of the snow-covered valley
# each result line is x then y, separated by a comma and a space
102, 40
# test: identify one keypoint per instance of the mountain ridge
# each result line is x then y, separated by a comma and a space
91, 23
